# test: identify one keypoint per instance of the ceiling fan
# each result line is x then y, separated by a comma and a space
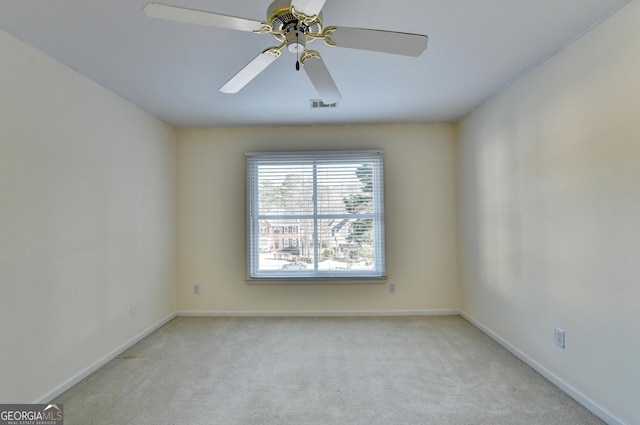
295, 24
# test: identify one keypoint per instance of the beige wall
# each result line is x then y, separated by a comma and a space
420, 220
550, 200
87, 223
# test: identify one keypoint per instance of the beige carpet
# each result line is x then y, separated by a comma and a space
299, 371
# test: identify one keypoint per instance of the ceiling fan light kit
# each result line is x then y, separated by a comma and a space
295, 24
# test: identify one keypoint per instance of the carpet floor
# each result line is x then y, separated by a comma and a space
308, 371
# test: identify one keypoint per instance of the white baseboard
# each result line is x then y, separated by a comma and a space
557, 381
51, 395
320, 313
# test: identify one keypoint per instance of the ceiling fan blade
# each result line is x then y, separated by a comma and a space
320, 77
308, 7
250, 71
201, 17
398, 43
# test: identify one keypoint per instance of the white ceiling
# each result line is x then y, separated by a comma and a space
173, 70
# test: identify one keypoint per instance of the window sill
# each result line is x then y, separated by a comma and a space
315, 280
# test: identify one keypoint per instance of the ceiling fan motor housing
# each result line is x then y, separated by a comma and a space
281, 18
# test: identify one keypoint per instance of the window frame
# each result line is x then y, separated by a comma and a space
374, 158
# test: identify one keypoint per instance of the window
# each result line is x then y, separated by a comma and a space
330, 206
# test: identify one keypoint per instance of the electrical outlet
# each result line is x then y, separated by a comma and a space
392, 288
133, 308
196, 289
559, 337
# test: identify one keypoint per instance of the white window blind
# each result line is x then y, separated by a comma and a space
315, 215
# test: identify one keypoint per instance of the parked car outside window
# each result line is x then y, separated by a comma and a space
296, 265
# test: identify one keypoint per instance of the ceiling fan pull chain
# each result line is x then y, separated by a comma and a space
297, 53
